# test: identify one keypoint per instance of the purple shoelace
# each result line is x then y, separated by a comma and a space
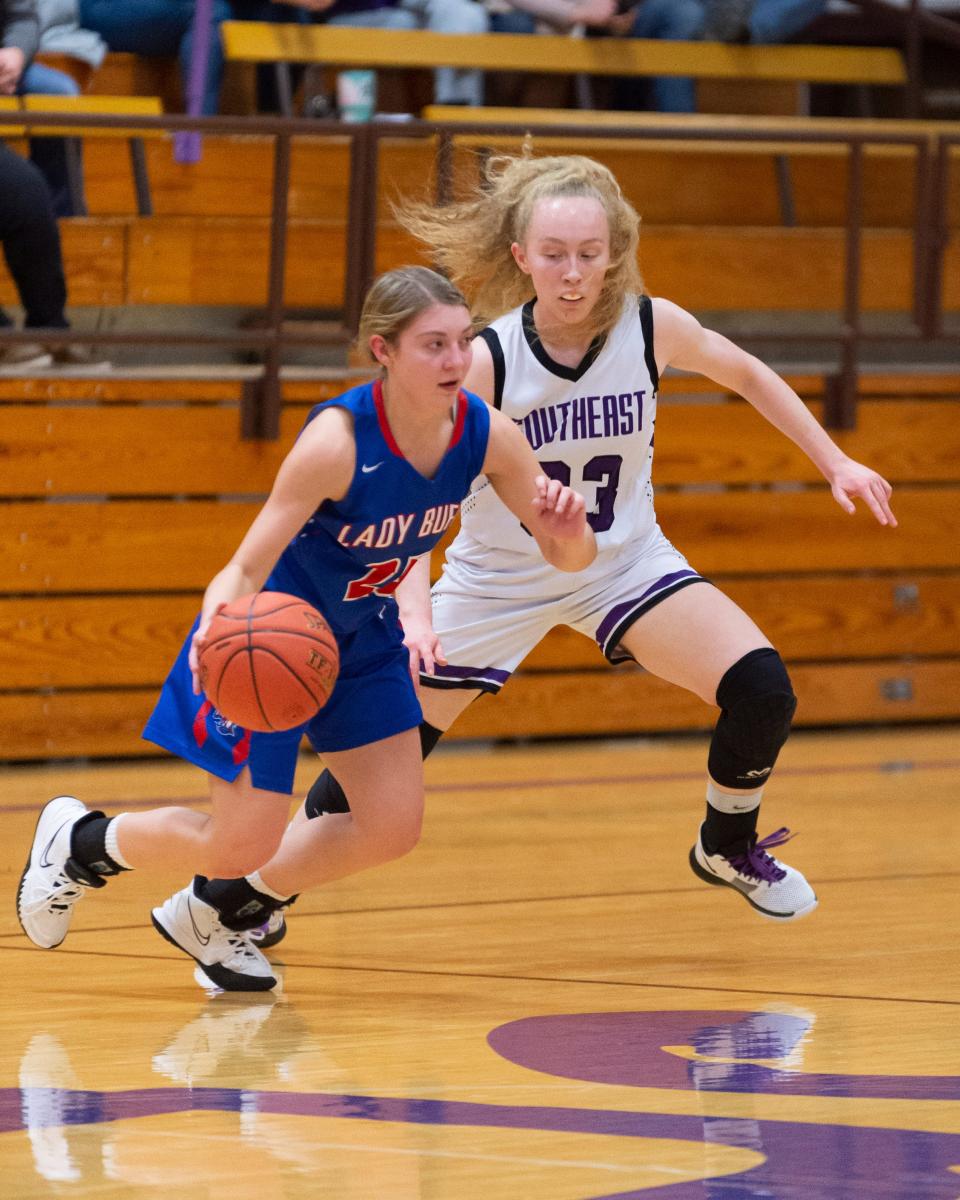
757, 863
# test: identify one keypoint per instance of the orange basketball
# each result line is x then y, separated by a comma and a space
269, 662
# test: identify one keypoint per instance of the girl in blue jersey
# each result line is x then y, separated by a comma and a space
372, 482
547, 249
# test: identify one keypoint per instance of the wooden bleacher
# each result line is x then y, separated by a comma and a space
96, 593
712, 239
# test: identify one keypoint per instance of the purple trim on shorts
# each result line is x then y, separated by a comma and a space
619, 611
486, 679
619, 619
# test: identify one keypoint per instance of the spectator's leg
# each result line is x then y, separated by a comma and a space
158, 27
376, 18
674, 21
451, 85
773, 21
50, 154
274, 87
513, 21
149, 27
31, 242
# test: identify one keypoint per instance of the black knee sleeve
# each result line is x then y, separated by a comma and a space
758, 705
327, 796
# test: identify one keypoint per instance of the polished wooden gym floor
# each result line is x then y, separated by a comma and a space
541, 1002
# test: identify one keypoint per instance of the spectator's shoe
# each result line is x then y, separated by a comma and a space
271, 932
25, 356
227, 958
727, 21
52, 882
76, 355
771, 887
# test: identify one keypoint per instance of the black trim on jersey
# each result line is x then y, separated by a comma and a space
492, 339
646, 324
544, 359
616, 636
449, 685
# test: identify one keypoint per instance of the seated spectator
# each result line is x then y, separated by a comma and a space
451, 85
19, 38
673, 21
31, 247
548, 16
759, 21
160, 27
564, 17
60, 34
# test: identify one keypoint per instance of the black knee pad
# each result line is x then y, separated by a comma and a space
327, 796
758, 705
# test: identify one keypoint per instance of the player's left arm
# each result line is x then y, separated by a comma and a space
554, 514
681, 341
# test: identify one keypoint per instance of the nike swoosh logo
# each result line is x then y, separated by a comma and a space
201, 938
44, 860
366, 470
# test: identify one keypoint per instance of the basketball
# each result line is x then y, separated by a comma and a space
269, 662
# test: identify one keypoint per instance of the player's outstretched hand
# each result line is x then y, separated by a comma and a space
563, 512
854, 479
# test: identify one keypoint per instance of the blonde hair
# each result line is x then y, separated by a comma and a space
470, 239
398, 297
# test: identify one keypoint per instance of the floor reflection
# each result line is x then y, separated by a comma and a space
224, 1081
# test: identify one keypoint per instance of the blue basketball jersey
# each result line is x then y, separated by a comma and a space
350, 556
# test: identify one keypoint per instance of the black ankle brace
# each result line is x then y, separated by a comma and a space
238, 903
88, 850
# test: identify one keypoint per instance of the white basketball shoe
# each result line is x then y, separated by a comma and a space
227, 958
52, 882
771, 887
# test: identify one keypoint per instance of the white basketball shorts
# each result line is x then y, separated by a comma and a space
488, 621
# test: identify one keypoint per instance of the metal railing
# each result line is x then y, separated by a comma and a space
260, 407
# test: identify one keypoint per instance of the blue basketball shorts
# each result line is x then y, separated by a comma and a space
373, 698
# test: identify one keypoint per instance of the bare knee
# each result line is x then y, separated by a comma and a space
391, 837
401, 835
236, 857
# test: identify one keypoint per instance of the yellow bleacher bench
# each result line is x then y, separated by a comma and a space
327, 45
262, 41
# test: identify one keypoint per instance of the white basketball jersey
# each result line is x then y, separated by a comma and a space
590, 426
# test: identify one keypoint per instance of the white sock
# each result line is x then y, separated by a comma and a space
732, 802
110, 842
256, 882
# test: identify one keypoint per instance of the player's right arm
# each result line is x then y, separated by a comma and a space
319, 467
416, 618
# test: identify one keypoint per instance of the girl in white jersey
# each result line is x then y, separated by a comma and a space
576, 360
